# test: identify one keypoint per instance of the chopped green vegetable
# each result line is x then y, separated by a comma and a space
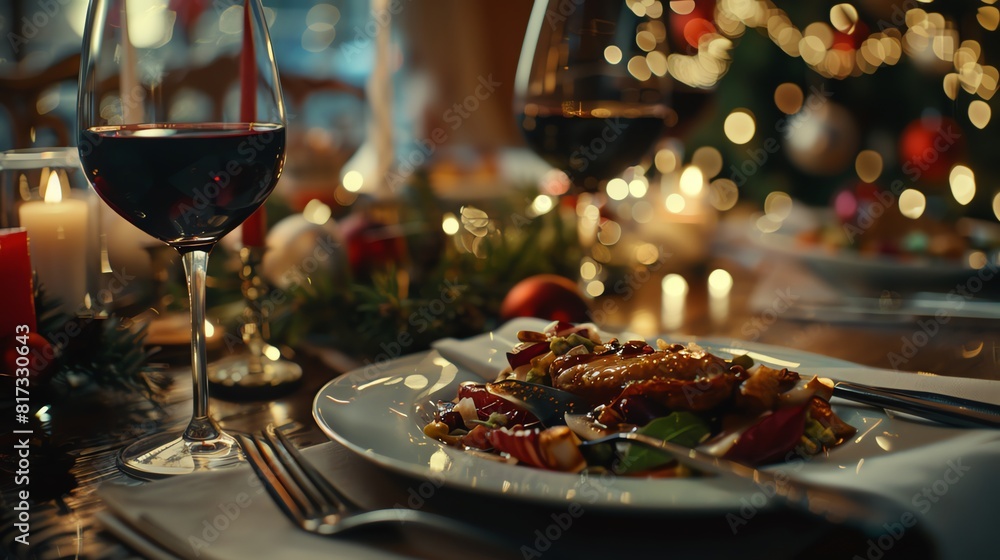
535, 376
682, 428
560, 345
496, 420
817, 435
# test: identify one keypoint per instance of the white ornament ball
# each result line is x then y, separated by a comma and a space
822, 138
299, 250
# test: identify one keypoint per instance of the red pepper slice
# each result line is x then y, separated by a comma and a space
771, 438
487, 403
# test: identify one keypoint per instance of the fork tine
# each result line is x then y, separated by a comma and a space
278, 491
307, 475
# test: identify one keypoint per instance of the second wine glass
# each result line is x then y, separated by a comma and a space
592, 97
164, 149
592, 90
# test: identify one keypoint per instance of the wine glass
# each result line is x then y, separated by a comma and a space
591, 92
183, 165
592, 95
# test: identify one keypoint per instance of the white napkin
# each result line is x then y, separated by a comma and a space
219, 515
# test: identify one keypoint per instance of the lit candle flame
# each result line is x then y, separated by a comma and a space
53, 191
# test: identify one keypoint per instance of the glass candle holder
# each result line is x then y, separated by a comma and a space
44, 191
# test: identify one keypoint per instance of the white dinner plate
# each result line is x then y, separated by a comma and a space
379, 412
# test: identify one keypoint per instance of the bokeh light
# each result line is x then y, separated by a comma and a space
723, 194
617, 189
675, 203
912, 203
980, 113
720, 282
778, 206
844, 17
665, 161
692, 180
868, 165
353, 181
963, 184
788, 98
612, 54
708, 159
450, 224
739, 126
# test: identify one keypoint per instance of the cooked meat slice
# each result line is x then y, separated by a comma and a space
695, 395
603, 379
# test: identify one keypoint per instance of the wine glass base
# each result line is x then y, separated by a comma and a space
168, 454
230, 377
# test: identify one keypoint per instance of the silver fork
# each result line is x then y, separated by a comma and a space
312, 503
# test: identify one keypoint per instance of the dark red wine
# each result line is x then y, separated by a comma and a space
185, 184
590, 149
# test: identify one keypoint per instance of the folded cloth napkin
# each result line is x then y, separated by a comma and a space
944, 477
219, 515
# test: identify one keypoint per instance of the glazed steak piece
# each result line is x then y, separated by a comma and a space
677, 377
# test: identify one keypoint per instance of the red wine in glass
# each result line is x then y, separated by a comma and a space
184, 171
185, 184
588, 148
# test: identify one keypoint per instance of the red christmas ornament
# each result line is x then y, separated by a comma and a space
370, 244
38, 353
547, 296
929, 147
692, 25
851, 41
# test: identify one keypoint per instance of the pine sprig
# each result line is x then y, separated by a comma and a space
455, 293
96, 352
118, 361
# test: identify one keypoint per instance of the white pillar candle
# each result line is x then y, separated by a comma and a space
58, 236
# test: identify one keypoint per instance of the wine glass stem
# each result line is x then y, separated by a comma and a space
201, 427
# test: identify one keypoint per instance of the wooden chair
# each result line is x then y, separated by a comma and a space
19, 94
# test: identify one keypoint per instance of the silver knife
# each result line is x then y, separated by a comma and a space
953, 411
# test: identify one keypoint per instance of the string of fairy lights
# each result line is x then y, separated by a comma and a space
839, 47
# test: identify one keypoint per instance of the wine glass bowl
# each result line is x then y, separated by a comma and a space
184, 172
592, 87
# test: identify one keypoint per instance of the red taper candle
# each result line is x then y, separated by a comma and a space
255, 227
16, 286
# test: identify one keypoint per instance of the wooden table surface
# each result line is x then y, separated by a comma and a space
91, 433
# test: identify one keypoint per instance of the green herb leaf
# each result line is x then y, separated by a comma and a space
682, 428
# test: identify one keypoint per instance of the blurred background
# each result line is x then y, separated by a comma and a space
821, 130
